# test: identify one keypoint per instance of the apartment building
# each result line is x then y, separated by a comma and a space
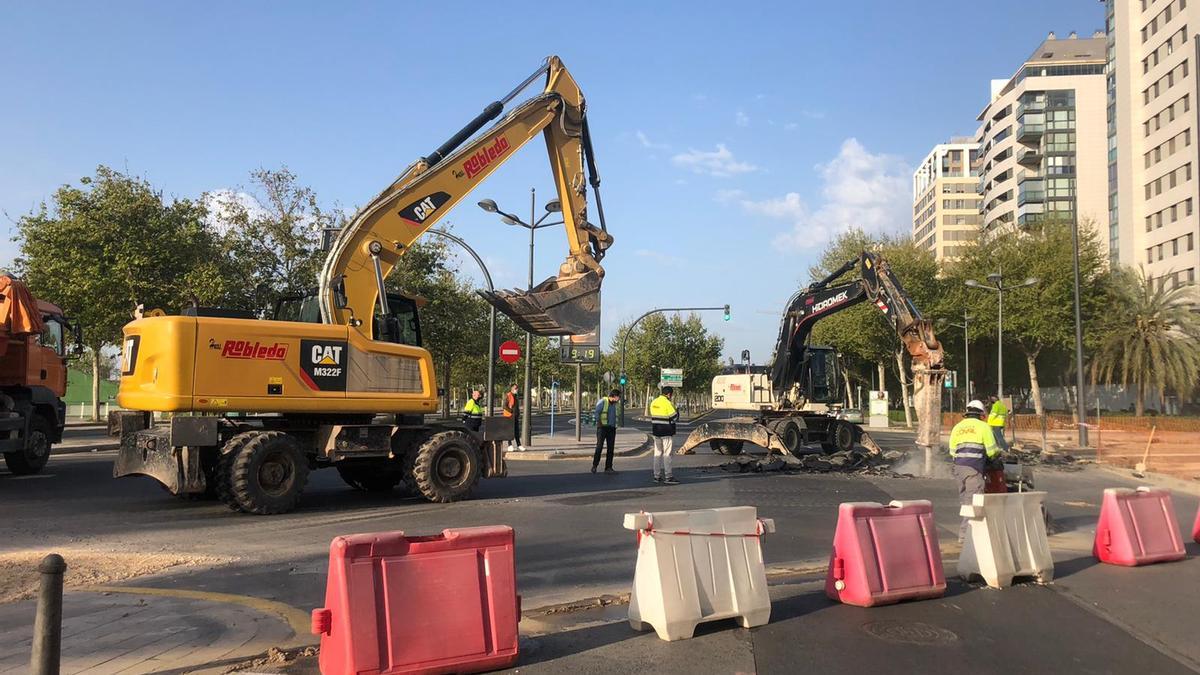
1152, 52
1042, 139
945, 203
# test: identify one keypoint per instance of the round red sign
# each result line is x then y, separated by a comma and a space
510, 351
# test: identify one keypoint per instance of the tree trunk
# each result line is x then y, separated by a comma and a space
904, 391
95, 384
647, 402
882, 381
849, 389
1035, 389
1139, 406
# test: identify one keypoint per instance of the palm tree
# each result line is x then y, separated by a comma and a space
1153, 339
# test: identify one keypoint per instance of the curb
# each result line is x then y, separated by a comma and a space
561, 454
82, 449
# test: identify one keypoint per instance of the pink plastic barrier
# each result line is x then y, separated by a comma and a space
1137, 527
1196, 528
885, 554
441, 604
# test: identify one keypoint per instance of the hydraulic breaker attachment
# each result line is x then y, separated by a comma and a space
553, 307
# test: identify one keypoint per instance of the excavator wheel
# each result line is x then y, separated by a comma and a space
842, 437
33, 458
725, 446
446, 467
791, 436
262, 472
369, 478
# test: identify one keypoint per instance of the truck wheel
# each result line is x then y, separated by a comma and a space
726, 447
262, 472
33, 458
792, 439
446, 467
369, 478
843, 436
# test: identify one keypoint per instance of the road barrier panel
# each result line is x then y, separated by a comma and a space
398, 604
698, 566
885, 554
1006, 539
1137, 527
1196, 528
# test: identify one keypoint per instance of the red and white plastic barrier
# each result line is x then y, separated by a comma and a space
395, 604
1137, 527
698, 566
885, 554
1196, 528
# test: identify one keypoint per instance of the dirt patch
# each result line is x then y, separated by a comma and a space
276, 659
19, 577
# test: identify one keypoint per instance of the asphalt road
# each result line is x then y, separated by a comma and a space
571, 545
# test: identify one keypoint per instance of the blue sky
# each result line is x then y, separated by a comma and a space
733, 138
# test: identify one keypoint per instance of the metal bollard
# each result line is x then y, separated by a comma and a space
47, 626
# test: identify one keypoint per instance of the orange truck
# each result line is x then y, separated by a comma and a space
33, 376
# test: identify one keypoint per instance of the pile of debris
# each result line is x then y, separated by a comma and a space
858, 461
1031, 454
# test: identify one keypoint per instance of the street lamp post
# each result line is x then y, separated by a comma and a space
625, 340
491, 362
535, 223
1080, 411
999, 288
967, 318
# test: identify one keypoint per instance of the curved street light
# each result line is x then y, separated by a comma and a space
997, 278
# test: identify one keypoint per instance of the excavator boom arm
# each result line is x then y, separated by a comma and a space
369, 247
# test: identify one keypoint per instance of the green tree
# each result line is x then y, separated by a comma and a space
676, 342
1154, 342
271, 236
103, 247
1039, 319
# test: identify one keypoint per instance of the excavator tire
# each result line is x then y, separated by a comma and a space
36, 453
262, 472
725, 446
842, 437
791, 436
446, 467
369, 478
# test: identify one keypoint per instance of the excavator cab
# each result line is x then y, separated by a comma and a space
401, 325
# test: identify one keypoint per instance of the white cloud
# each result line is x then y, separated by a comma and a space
719, 163
741, 119
859, 189
222, 203
648, 144
790, 126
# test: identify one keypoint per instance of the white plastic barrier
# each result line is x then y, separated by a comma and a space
697, 566
1006, 539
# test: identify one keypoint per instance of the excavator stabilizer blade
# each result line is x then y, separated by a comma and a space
553, 307
734, 429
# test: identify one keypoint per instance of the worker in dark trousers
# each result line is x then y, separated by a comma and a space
972, 444
608, 411
472, 412
512, 410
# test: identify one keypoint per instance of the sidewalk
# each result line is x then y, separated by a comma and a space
166, 631
562, 445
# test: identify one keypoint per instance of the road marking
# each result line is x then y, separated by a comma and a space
297, 619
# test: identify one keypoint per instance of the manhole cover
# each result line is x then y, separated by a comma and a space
909, 632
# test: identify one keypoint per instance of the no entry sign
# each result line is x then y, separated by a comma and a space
510, 351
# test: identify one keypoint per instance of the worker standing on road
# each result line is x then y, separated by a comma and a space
512, 410
997, 418
972, 443
663, 417
608, 411
472, 413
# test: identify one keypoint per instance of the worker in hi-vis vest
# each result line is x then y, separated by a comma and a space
608, 411
663, 417
972, 444
997, 419
472, 413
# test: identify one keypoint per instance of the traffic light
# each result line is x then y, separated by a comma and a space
623, 380
726, 312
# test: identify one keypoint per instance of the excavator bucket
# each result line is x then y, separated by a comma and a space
553, 307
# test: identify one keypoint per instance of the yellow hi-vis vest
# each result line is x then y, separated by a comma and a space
971, 442
999, 414
663, 416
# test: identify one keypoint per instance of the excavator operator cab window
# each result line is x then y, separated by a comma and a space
822, 375
405, 323
304, 308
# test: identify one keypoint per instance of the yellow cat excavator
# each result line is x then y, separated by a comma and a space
258, 403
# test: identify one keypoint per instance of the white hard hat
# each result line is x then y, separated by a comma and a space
976, 406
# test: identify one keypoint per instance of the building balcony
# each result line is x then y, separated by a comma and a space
1031, 197
1031, 157
1030, 133
1030, 107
